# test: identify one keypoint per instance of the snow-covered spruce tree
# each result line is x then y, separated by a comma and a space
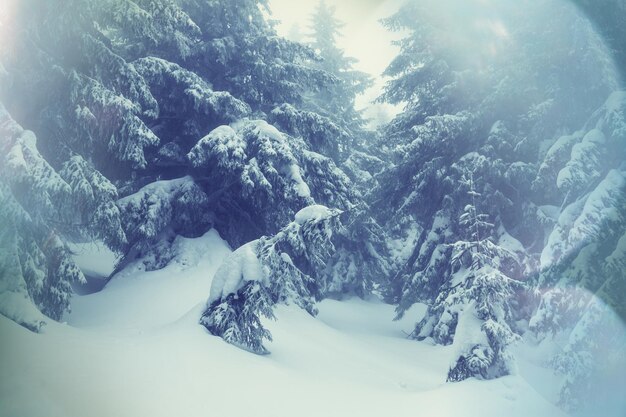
522, 82
281, 158
609, 19
491, 293
188, 109
338, 101
323, 134
90, 102
505, 108
88, 106
240, 52
36, 269
594, 349
135, 117
159, 28
589, 187
582, 276
255, 177
473, 309
429, 205
360, 262
284, 268
139, 99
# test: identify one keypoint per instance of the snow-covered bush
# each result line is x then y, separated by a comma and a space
285, 268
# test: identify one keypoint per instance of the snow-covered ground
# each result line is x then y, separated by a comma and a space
136, 349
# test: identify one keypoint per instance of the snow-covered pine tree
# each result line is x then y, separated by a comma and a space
134, 117
36, 268
285, 268
582, 276
473, 309
338, 101
495, 112
257, 177
491, 291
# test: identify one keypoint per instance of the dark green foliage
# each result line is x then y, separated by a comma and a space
237, 318
287, 268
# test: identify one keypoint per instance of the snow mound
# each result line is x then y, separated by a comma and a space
136, 299
19, 308
360, 362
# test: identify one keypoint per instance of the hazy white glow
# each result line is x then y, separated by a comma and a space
7, 13
364, 38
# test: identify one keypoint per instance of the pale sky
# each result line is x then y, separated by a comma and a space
364, 38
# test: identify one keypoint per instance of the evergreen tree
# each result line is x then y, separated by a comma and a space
608, 16
255, 175
36, 268
129, 120
336, 101
284, 268
582, 276
491, 108
94, 200
473, 309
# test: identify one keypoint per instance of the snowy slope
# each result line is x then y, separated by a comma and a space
135, 349
136, 300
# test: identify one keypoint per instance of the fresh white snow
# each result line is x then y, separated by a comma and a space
136, 349
315, 213
239, 267
93, 258
301, 188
